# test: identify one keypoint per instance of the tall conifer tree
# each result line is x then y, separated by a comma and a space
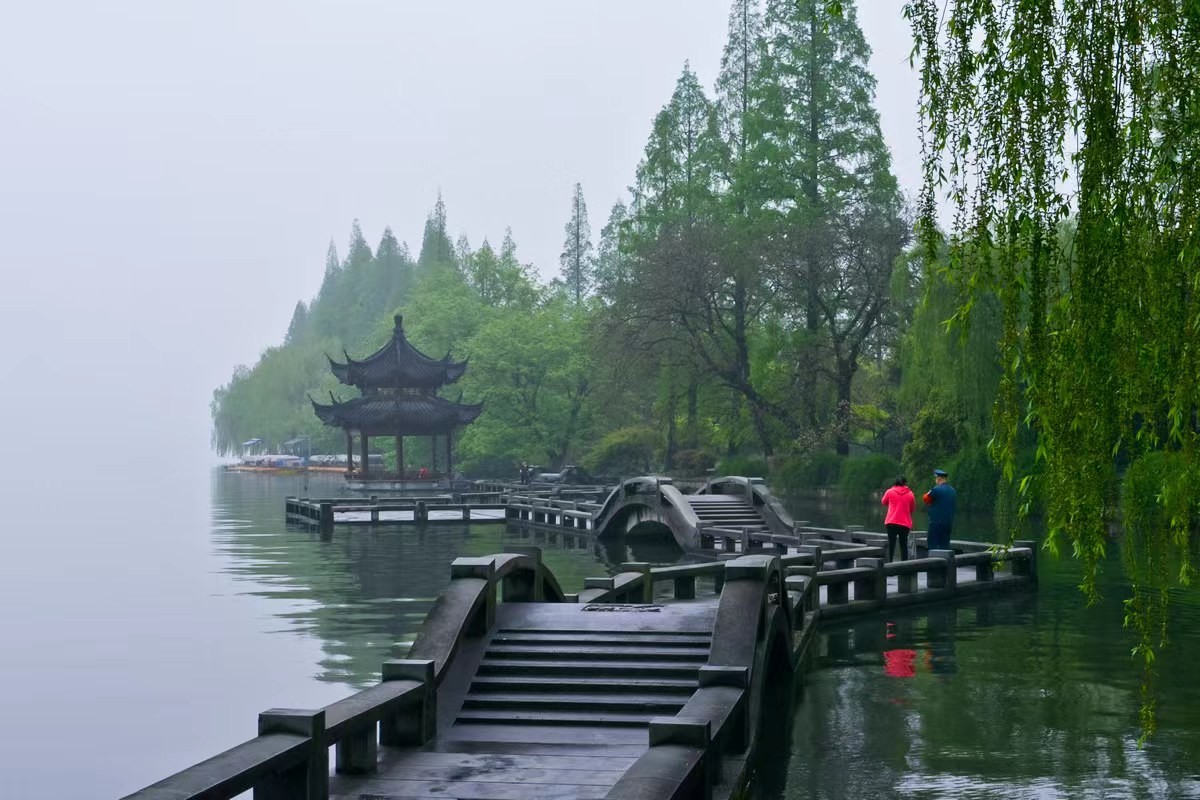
577, 259
435, 243
612, 265
817, 163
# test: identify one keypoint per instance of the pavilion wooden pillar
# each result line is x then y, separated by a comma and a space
365, 458
433, 454
450, 454
400, 457
349, 451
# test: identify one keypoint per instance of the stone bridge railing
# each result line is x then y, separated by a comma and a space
289, 759
768, 611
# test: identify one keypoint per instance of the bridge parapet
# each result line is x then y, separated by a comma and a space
685, 752
289, 759
766, 615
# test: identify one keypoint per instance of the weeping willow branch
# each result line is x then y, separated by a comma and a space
1065, 136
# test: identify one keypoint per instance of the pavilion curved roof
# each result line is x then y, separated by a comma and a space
397, 365
397, 415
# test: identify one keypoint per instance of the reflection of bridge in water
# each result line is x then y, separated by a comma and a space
653, 682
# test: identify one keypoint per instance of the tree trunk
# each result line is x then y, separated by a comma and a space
691, 435
672, 445
842, 418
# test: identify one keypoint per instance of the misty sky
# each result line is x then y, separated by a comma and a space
171, 172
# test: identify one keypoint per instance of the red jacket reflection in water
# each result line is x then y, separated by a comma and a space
900, 663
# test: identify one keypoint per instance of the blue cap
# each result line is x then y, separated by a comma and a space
940, 473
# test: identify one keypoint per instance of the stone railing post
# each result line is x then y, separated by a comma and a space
985, 571
815, 551
695, 733
484, 569
410, 727
947, 579
875, 585
308, 780
647, 578
837, 593
522, 587
738, 678
1027, 568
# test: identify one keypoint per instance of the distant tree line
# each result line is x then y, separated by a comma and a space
756, 299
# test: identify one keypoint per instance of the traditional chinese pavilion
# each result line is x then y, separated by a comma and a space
399, 387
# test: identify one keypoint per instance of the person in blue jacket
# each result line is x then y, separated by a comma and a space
940, 501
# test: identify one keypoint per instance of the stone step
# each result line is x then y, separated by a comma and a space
616, 670
493, 683
598, 640
590, 631
535, 701
561, 653
594, 719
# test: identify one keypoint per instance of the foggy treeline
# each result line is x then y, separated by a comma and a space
757, 300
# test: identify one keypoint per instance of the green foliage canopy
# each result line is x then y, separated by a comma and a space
1047, 109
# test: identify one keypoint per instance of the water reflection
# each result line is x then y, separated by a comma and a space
1024, 695
364, 591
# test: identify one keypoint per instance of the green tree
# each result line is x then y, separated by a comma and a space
393, 267
534, 371
612, 261
435, 243
298, 327
816, 160
577, 259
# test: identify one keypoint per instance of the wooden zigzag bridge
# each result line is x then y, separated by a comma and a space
652, 683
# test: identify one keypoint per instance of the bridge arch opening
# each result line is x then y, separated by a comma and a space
650, 529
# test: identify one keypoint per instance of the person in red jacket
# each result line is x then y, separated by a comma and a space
900, 504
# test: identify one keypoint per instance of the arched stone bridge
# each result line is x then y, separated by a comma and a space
732, 508
652, 683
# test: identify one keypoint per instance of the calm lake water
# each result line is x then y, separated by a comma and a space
145, 624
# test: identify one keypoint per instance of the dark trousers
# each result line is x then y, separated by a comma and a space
897, 533
938, 536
